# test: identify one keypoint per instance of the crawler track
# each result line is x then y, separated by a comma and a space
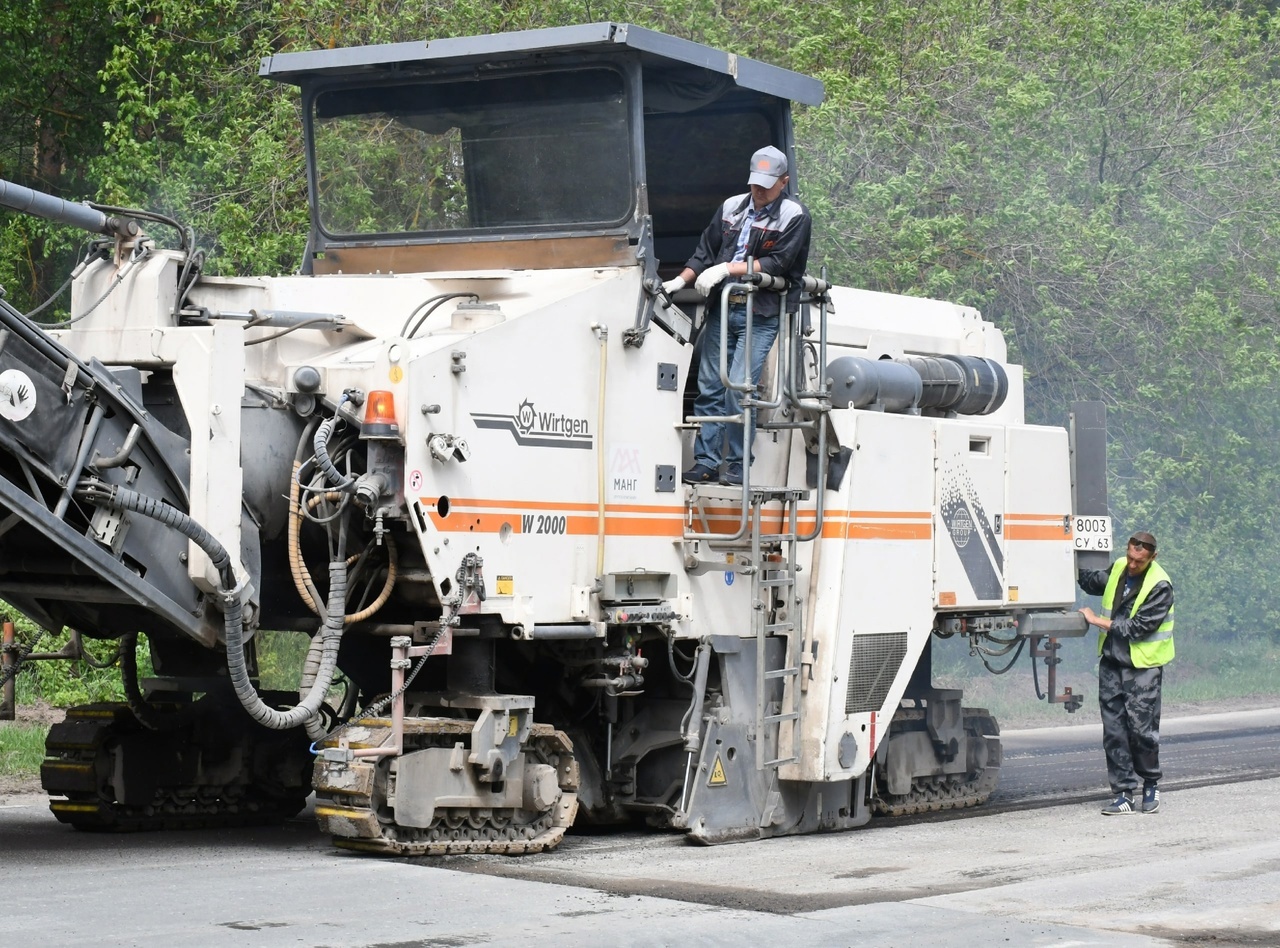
930, 794
104, 771
352, 798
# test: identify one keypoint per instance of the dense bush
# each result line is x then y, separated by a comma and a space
1099, 176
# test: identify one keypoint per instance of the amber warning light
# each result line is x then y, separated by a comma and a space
380, 416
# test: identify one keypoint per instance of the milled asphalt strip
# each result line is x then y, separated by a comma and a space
1189, 725
1190, 728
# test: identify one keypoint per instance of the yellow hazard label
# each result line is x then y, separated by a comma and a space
1013, 593
513, 727
717, 778
396, 373
506, 586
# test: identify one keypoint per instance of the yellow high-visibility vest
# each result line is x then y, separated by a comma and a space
1157, 648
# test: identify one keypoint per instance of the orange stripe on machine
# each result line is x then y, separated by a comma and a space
485, 515
1036, 526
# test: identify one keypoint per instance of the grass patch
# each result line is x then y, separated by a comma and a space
1203, 673
21, 748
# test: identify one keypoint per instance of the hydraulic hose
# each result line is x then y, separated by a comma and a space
148, 716
320, 443
301, 578
233, 609
316, 729
302, 575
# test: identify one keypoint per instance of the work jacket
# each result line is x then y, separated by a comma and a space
779, 240
1141, 633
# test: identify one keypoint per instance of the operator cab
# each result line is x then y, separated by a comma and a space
565, 147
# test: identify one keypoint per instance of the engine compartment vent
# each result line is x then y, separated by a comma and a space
873, 665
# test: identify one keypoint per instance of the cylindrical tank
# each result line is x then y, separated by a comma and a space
858, 383
966, 385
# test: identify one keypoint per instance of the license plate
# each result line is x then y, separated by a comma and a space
1091, 532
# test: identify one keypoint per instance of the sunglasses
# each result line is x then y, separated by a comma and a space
1142, 545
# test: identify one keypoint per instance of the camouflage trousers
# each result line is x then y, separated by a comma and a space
1129, 699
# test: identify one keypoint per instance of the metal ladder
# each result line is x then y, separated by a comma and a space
776, 612
775, 606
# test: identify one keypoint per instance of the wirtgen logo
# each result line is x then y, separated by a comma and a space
539, 429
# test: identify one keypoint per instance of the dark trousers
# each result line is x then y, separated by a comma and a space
1129, 699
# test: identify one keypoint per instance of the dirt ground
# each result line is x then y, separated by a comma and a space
39, 713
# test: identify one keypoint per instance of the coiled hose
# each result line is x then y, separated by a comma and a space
320, 443
233, 610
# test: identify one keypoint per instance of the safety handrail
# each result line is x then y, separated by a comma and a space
785, 385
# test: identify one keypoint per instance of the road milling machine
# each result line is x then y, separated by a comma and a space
449, 449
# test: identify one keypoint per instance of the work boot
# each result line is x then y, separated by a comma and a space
732, 476
1123, 803
1150, 798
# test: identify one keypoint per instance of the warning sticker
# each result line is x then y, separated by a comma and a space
506, 585
717, 778
17, 395
513, 728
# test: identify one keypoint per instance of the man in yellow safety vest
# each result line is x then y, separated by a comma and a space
1135, 642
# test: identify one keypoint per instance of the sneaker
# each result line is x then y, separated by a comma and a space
1123, 803
1150, 799
732, 476
699, 474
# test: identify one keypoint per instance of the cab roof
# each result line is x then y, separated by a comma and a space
658, 52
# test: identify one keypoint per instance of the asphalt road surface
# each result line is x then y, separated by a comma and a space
1038, 866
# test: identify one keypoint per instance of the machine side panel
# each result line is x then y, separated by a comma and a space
969, 527
874, 610
524, 395
1038, 567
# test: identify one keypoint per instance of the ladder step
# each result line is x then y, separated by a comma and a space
780, 581
789, 716
780, 627
780, 760
782, 673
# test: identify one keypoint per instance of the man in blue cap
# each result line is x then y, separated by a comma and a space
772, 229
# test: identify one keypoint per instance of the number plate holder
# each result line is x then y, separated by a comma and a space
1091, 532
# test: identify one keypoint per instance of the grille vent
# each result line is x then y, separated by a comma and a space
873, 666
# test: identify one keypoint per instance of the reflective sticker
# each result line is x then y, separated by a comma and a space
506, 586
17, 395
717, 778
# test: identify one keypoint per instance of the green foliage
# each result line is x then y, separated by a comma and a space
280, 658
1100, 178
65, 682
